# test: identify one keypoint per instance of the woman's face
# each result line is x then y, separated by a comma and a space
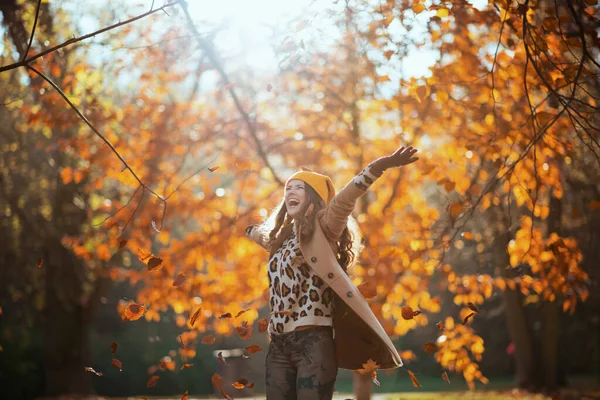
295, 197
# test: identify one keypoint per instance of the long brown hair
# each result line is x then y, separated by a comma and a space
348, 245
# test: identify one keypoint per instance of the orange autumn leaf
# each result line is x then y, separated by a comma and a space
368, 368
186, 366
242, 311
440, 325
445, 377
151, 261
253, 348
430, 348
263, 325
117, 364
179, 280
133, 312
217, 381
213, 169
467, 318
368, 289
40, 262
240, 383
456, 209
93, 371
152, 381
244, 331
185, 396
413, 378
195, 316
243, 164
113, 348
208, 339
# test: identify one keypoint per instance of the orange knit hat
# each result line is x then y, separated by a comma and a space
321, 183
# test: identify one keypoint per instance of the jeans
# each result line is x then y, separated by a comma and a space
301, 365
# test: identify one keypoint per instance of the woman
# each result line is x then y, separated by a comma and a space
319, 320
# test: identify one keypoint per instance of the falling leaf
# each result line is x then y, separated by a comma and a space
186, 366
456, 209
414, 380
253, 348
117, 364
440, 326
195, 316
225, 395
467, 318
244, 331
217, 381
93, 371
368, 367
152, 381
263, 325
183, 344
240, 383
368, 289
226, 315
408, 313
154, 263
208, 339
113, 348
133, 312
243, 164
179, 280
154, 227
122, 244
241, 312
467, 235
213, 169
430, 348
473, 307
220, 357
445, 377
185, 396
40, 262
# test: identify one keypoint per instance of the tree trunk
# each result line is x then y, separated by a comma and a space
66, 326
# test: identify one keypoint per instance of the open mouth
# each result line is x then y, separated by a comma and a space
293, 202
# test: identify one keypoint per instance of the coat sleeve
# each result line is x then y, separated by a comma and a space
335, 215
258, 236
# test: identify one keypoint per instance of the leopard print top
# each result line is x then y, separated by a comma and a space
297, 295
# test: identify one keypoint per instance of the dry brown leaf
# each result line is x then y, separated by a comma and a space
155, 263
430, 348
408, 313
220, 357
117, 364
473, 307
225, 395
244, 331
133, 312
368, 368
217, 381
368, 289
113, 348
213, 169
241, 312
467, 318
93, 371
253, 348
208, 339
152, 381
226, 315
179, 280
440, 326
40, 262
263, 325
162, 364
195, 316
183, 344
445, 377
414, 380
122, 244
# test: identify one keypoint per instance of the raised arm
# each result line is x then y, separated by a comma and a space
335, 215
257, 235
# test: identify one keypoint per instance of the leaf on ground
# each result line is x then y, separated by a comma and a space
117, 364
217, 381
208, 339
467, 318
430, 348
93, 371
445, 377
186, 366
413, 378
244, 331
253, 348
195, 316
113, 348
179, 280
152, 381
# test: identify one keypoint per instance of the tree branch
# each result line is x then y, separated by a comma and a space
37, 13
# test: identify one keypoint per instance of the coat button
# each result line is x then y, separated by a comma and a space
349, 294
313, 259
330, 275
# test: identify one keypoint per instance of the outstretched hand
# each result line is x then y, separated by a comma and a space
402, 156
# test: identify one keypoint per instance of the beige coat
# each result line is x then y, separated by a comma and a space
358, 334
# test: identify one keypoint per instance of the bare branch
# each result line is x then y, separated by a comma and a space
37, 13
26, 61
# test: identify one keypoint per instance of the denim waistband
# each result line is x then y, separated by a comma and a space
281, 337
